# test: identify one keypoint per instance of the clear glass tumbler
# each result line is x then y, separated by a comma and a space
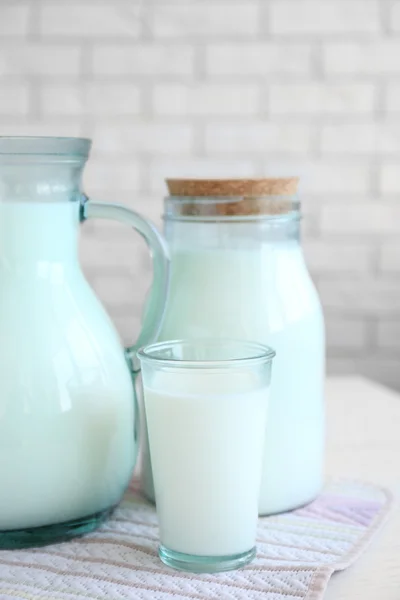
206, 407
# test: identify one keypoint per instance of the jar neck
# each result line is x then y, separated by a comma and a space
40, 182
232, 233
41, 169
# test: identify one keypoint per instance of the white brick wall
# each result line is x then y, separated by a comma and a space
258, 137
390, 257
392, 98
200, 167
90, 99
104, 176
89, 20
205, 20
395, 17
389, 335
335, 257
15, 19
361, 139
14, 99
206, 99
389, 179
258, 59
326, 17
311, 99
228, 88
349, 333
364, 296
362, 58
26, 59
368, 219
337, 179
147, 137
151, 60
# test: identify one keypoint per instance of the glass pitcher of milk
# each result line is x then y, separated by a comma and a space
67, 404
237, 270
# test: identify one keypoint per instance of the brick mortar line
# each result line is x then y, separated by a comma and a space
267, 38
33, 22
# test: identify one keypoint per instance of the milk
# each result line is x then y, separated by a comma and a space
67, 445
206, 442
263, 292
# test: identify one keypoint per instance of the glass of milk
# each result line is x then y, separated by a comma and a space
206, 407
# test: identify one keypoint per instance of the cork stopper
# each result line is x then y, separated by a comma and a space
233, 197
283, 186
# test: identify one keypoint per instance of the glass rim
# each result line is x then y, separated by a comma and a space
231, 198
289, 217
20, 145
256, 353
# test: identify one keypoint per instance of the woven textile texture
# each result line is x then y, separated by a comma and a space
297, 554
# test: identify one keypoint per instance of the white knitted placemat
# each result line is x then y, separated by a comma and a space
297, 553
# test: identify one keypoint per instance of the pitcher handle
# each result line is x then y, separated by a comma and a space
159, 253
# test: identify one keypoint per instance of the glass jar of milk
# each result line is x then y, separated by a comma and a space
67, 404
237, 270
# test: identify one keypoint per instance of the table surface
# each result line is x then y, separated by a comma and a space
364, 443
